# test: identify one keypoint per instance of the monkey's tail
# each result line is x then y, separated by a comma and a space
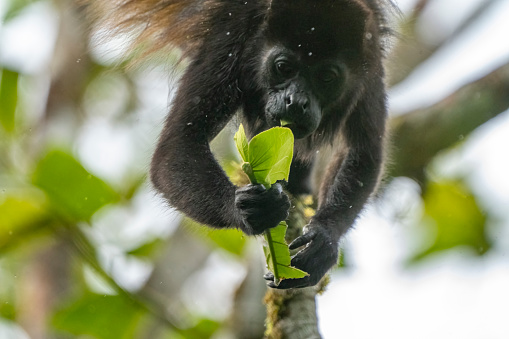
150, 25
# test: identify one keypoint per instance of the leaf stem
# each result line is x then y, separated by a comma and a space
272, 250
248, 169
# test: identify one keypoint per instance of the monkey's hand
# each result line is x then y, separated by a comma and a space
316, 258
259, 208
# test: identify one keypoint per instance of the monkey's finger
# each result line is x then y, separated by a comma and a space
290, 283
269, 276
277, 186
303, 239
272, 285
251, 189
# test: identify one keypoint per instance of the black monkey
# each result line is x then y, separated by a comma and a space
313, 65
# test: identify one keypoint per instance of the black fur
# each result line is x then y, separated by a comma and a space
316, 65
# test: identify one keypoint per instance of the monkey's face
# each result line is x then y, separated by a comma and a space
312, 58
299, 87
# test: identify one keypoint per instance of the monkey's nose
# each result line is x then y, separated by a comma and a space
294, 101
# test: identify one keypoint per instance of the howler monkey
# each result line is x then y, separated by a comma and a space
315, 65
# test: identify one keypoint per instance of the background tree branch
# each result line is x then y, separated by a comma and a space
419, 135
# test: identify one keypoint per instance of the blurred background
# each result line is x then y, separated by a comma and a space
88, 250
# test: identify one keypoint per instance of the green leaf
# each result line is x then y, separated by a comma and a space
454, 218
204, 329
8, 98
7, 309
99, 316
15, 7
270, 155
21, 210
241, 143
230, 240
73, 192
277, 255
24, 215
267, 159
267, 156
148, 249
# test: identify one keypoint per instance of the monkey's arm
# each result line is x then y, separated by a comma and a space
354, 176
183, 167
351, 179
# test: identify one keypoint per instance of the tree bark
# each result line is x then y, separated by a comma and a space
291, 314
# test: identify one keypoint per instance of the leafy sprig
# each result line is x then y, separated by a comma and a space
267, 159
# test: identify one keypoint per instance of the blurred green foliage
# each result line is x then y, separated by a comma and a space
453, 219
21, 212
14, 7
231, 240
72, 191
8, 98
101, 316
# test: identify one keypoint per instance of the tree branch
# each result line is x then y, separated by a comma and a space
419, 135
292, 313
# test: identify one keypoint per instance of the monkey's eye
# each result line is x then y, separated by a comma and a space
285, 69
328, 76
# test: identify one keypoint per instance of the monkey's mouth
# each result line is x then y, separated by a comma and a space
298, 131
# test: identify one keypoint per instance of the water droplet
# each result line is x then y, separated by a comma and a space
78, 61
312, 28
369, 36
461, 137
300, 45
227, 33
230, 54
229, 14
310, 53
189, 124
